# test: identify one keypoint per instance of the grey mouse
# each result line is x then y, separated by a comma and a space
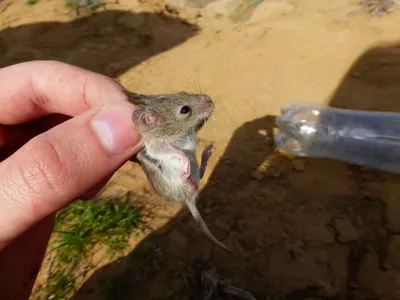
168, 124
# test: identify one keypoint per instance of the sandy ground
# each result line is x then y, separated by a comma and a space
301, 229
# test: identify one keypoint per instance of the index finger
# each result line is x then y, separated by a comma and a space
34, 89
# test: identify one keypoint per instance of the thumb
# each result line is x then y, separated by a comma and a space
58, 166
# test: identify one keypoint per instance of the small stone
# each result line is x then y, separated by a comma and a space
227, 161
345, 230
263, 132
299, 165
357, 74
293, 249
274, 172
145, 38
171, 9
257, 175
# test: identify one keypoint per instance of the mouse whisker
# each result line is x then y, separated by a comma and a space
216, 133
195, 87
199, 86
191, 81
197, 82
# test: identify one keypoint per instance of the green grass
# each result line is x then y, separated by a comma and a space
69, 3
59, 286
90, 4
31, 2
78, 229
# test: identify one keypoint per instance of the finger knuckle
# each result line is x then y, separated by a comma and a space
39, 178
52, 171
44, 171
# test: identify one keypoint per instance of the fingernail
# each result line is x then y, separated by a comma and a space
113, 125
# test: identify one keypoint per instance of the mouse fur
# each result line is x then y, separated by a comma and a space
168, 125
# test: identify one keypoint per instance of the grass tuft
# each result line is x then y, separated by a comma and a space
31, 2
78, 229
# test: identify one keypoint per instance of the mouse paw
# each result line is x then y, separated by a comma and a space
205, 156
185, 176
185, 169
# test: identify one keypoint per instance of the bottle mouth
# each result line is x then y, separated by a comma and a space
287, 144
299, 125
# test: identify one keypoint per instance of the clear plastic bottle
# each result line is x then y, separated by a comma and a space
365, 138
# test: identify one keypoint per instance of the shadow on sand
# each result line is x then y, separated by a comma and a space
301, 229
109, 42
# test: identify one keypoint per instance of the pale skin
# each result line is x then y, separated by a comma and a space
63, 132
158, 149
168, 152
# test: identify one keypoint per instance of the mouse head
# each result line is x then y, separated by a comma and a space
170, 116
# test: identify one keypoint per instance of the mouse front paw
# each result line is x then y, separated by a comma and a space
185, 174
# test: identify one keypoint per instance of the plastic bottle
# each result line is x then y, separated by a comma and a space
365, 138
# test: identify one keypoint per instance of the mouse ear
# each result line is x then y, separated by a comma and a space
136, 99
147, 117
143, 117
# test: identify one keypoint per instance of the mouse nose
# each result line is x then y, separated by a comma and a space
207, 99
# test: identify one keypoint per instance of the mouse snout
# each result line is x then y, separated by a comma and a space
206, 100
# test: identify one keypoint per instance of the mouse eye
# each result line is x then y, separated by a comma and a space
185, 110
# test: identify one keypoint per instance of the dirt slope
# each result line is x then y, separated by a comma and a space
303, 229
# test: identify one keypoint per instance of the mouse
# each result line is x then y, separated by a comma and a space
168, 124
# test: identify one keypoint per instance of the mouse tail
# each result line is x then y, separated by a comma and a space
203, 226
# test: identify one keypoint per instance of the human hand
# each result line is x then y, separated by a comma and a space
62, 134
